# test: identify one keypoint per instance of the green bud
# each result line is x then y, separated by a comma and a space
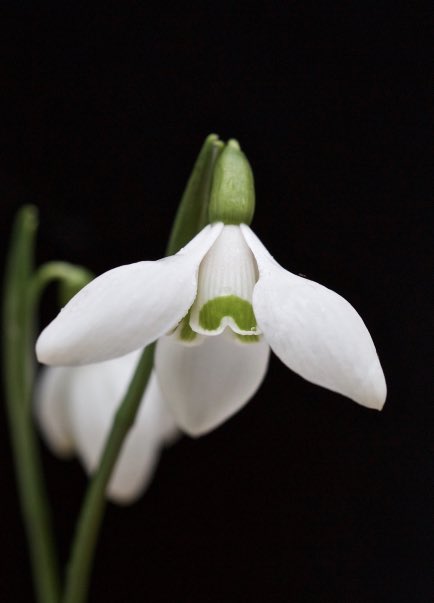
233, 191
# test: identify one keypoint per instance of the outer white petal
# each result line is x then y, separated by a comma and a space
51, 397
95, 394
126, 308
315, 331
206, 384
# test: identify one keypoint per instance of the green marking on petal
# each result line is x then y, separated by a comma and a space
247, 338
185, 332
240, 310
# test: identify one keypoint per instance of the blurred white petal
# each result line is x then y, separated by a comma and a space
95, 395
51, 397
75, 408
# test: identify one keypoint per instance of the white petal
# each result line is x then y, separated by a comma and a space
96, 393
126, 308
50, 410
227, 272
315, 331
206, 384
155, 412
140, 453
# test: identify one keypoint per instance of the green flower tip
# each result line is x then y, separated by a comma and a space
213, 141
234, 144
28, 217
232, 199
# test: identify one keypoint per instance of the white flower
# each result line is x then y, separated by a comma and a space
75, 407
216, 307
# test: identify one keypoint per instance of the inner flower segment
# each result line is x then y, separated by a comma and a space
227, 276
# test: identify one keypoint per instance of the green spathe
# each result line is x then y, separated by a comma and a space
232, 198
192, 214
241, 311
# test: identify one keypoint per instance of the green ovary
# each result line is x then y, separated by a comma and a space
240, 310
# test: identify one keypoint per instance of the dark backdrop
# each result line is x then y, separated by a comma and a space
303, 496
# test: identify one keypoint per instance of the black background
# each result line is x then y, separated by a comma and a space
303, 496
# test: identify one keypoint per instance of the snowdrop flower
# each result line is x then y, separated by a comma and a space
75, 406
216, 308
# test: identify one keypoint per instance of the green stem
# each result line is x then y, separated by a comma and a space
93, 508
18, 315
71, 279
192, 215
